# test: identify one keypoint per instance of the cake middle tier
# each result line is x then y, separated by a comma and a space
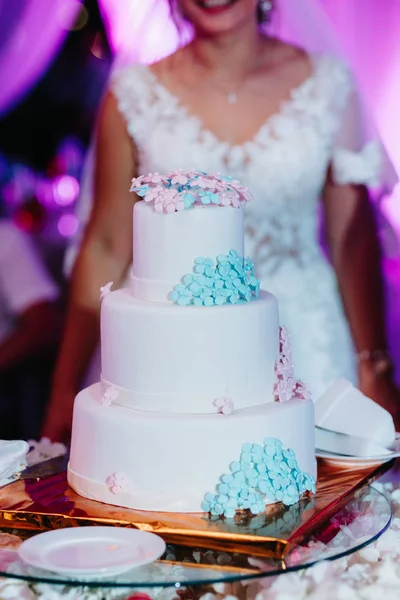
169, 358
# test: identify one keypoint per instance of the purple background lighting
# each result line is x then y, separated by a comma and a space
31, 32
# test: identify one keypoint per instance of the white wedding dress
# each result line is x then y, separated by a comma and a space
284, 165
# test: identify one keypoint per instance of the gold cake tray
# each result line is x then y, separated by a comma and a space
47, 502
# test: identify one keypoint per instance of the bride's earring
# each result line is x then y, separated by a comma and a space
265, 8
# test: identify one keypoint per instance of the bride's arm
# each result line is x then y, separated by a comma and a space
356, 255
104, 256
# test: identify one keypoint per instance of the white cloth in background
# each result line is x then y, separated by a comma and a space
24, 280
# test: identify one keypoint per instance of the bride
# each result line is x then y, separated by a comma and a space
283, 121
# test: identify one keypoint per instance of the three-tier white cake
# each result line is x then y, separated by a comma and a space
197, 408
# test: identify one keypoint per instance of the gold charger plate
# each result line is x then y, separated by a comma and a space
47, 502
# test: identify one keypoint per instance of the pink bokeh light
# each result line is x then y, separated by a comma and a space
68, 225
65, 190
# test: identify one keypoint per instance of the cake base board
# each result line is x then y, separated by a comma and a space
46, 502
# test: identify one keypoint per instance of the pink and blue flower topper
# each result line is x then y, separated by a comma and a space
184, 190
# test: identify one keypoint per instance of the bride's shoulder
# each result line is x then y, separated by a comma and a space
302, 60
331, 64
128, 77
333, 73
160, 66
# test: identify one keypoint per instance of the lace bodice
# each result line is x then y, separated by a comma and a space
284, 164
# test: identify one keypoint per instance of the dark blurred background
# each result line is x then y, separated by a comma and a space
43, 139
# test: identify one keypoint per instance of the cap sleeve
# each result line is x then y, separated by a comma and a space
359, 156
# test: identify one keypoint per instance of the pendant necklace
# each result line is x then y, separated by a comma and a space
232, 95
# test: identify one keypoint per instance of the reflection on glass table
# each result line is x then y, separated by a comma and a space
362, 520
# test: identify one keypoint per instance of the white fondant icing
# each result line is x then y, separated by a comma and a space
169, 358
174, 459
169, 371
165, 246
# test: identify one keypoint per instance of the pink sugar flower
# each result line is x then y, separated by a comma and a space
179, 178
109, 396
245, 195
284, 335
284, 339
284, 368
235, 201
173, 205
169, 194
202, 181
136, 182
224, 405
105, 289
153, 194
225, 200
170, 207
302, 391
284, 390
230, 199
158, 205
153, 178
116, 482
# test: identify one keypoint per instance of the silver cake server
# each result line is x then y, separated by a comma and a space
45, 468
343, 444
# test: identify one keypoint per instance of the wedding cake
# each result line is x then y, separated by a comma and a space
197, 408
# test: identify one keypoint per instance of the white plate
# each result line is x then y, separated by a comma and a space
360, 461
355, 461
91, 551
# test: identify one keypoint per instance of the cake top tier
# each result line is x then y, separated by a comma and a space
184, 190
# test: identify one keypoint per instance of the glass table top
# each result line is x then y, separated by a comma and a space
364, 517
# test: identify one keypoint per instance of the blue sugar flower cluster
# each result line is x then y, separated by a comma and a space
228, 281
265, 473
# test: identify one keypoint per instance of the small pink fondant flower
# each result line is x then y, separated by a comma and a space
153, 194
106, 289
302, 391
202, 181
231, 199
284, 390
109, 396
170, 207
284, 368
225, 200
136, 182
116, 482
179, 178
224, 405
245, 195
284, 343
158, 205
153, 178
284, 335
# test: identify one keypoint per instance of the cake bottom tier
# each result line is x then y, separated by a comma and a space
167, 462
